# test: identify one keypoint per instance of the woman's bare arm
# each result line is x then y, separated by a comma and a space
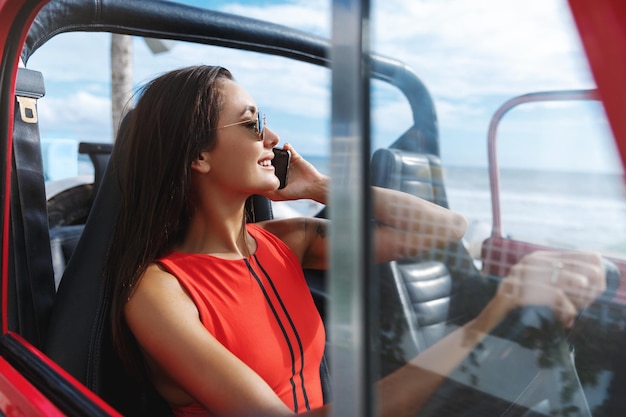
408, 225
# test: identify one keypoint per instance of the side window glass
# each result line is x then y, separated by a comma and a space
77, 104
390, 114
561, 181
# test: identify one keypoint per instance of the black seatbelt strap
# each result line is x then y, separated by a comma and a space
32, 278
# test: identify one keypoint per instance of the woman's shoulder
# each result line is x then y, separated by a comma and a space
156, 281
155, 269
156, 287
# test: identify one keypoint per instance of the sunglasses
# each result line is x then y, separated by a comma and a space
259, 128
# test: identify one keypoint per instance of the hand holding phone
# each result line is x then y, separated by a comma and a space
281, 165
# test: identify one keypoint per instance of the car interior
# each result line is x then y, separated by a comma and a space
67, 318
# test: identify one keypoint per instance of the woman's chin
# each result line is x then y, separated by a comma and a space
271, 185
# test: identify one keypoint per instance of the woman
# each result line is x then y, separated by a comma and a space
217, 312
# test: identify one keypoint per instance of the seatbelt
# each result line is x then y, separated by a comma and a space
31, 286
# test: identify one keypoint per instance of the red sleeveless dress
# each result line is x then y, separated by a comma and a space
261, 310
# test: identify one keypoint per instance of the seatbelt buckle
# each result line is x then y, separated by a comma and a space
28, 109
29, 87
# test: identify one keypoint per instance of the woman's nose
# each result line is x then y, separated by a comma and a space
271, 138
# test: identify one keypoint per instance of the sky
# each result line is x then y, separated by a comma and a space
473, 55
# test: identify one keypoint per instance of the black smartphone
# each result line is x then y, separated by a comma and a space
281, 165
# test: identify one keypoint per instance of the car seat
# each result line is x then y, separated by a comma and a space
423, 297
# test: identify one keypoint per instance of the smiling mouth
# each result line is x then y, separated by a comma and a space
265, 163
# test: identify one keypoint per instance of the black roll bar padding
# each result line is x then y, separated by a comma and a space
167, 20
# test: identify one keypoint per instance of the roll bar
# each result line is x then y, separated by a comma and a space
494, 171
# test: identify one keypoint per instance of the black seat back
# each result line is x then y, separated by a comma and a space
418, 174
421, 296
79, 337
68, 211
414, 295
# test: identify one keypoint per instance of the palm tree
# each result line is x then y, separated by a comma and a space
122, 73
121, 77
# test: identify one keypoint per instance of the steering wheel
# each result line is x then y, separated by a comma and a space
524, 368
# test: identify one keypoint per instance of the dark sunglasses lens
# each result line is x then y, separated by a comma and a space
261, 123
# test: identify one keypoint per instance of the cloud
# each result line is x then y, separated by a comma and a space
291, 87
478, 47
77, 57
80, 115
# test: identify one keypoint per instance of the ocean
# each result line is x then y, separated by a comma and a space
569, 210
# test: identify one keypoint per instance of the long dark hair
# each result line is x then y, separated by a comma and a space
173, 121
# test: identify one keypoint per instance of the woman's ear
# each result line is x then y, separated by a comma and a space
202, 163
